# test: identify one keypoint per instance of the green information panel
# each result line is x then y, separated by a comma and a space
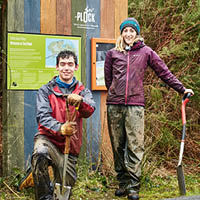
31, 58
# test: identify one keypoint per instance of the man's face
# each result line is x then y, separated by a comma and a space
66, 68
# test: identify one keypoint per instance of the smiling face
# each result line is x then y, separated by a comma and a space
66, 68
129, 35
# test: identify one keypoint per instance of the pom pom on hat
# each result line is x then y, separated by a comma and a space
131, 22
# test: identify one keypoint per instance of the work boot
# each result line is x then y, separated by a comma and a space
133, 196
120, 192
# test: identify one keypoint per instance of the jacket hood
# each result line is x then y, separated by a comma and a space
137, 45
56, 90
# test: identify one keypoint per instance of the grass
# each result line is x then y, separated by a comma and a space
93, 185
96, 186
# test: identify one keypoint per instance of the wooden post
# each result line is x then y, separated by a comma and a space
115, 11
31, 25
13, 116
48, 16
107, 31
4, 85
63, 17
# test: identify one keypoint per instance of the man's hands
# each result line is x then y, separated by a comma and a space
68, 128
74, 99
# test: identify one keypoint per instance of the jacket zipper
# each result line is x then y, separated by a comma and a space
127, 75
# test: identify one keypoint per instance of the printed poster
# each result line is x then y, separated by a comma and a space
31, 58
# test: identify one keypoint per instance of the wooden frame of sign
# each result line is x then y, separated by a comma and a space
99, 48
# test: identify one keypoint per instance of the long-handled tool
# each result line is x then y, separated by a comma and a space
63, 192
180, 173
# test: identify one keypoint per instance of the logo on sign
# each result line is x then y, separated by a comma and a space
86, 16
87, 19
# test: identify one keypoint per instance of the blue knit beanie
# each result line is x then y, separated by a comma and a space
131, 22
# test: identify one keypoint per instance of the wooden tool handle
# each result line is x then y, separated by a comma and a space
69, 118
67, 144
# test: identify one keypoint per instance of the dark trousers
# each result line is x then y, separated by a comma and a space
46, 154
126, 130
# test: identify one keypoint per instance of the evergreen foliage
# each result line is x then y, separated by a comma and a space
172, 29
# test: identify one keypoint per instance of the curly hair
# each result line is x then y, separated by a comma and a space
66, 54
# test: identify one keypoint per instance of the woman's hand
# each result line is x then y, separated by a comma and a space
189, 91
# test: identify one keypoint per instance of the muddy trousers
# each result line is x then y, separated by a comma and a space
46, 154
126, 130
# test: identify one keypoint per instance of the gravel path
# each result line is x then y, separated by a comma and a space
185, 198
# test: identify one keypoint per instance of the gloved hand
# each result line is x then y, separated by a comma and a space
74, 99
68, 128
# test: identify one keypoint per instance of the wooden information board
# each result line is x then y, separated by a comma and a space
99, 48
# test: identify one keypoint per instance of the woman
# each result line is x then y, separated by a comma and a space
124, 69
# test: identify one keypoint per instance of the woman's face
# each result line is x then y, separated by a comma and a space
129, 35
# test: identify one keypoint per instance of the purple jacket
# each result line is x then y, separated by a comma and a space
124, 74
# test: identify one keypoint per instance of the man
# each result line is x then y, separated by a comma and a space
54, 126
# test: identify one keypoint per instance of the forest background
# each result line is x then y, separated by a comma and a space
172, 29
